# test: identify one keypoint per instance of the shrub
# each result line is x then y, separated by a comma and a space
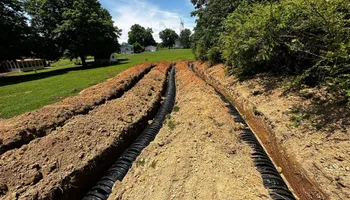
307, 38
214, 56
138, 48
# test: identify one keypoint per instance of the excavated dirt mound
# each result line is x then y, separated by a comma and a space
315, 161
22, 129
196, 155
67, 162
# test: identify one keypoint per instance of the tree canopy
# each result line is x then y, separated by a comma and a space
14, 30
74, 28
185, 38
87, 29
141, 35
168, 37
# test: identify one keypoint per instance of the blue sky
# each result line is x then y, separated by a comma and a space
156, 14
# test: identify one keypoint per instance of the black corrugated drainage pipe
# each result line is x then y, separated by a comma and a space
272, 180
117, 172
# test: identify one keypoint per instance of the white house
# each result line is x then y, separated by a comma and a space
126, 49
151, 48
178, 44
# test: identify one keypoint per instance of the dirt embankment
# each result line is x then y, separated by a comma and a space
22, 129
67, 162
196, 155
315, 161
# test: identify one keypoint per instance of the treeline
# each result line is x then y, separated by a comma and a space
141, 37
50, 29
308, 39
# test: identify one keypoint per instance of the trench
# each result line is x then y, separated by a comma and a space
121, 166
28, 134
272, 180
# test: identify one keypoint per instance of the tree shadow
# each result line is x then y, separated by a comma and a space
330, 115
267, 81
11, 80
323, 113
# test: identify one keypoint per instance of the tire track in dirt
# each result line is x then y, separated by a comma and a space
24, 128
198, 153
66, 163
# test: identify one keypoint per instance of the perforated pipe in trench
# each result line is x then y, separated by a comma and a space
272, 180
119, 169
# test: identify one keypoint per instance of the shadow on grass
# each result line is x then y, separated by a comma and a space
10, 80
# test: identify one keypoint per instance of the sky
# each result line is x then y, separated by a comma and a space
155, 14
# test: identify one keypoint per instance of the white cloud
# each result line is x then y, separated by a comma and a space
129, 12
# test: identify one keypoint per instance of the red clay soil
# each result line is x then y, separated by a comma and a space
69, 158
22, 129
314, 161
196, 155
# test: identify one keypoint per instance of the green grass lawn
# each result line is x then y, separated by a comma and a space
26, 91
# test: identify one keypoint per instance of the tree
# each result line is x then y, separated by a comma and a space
185, 38
137, 47
87, 29
14, 30
136, 34
168, 36
210, 17
141, 35
45, 16
148, 38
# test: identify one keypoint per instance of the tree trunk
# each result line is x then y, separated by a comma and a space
83, 61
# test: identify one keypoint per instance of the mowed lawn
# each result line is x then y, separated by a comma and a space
27, 91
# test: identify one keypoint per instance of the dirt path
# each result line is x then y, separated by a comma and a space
69, 160
318, 158
196, 155
22, 129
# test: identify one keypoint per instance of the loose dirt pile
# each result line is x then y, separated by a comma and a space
22, 129
67, 162
196, 155
316, 162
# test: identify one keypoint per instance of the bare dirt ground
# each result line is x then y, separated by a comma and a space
51, 166
21, 129
317, 156
196, 155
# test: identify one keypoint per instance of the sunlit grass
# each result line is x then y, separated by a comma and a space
22, 92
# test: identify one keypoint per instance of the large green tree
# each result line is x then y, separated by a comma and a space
185, 38
14, 30
45, 16
141, 35
210, 17
149, 40
87, 29
168, 37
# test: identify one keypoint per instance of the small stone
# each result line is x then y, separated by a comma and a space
279, 169
347, 168
178, 160
161, 143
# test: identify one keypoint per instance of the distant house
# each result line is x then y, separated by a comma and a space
178, 44
126, 49
151, 48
